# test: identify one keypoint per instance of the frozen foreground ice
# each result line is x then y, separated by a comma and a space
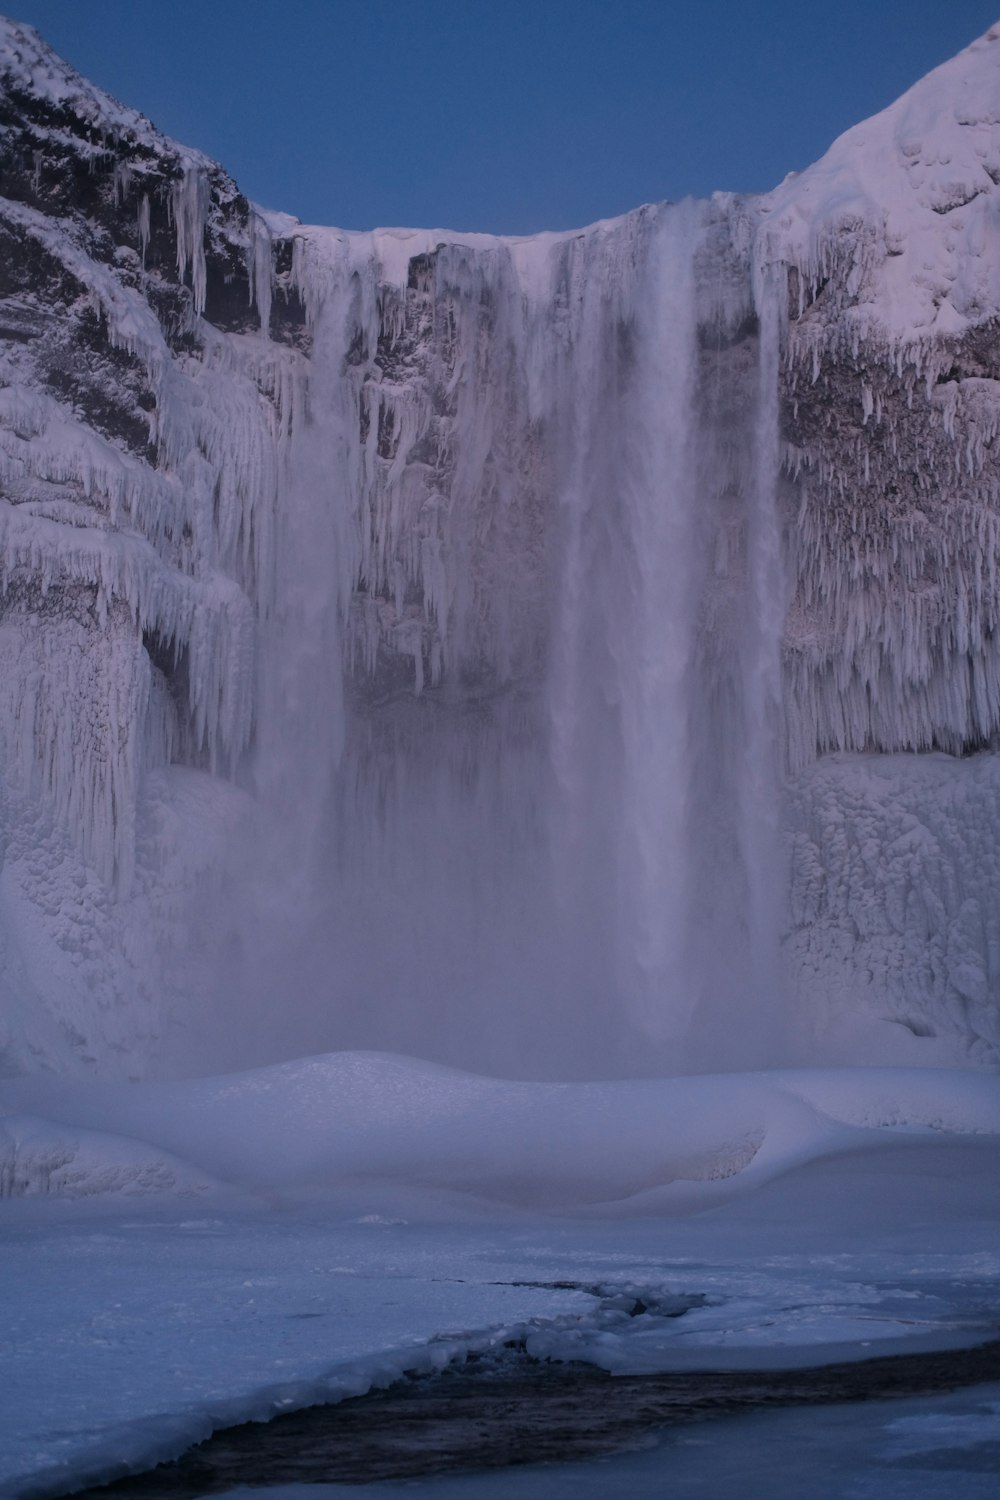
181, 1256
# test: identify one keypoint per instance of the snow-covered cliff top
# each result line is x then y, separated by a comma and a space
29, 65
911, 196
920, 182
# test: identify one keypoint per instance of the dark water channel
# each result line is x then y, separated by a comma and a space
499, 1411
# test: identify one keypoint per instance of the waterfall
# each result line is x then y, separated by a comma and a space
618, 685
433, 642
517, 749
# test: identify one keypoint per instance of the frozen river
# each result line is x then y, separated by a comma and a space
149, 1297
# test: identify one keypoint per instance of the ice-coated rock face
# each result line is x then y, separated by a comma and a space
891, 412
426, 641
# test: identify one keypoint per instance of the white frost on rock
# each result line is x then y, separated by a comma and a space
894, 917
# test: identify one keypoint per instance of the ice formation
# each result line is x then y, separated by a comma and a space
508, 597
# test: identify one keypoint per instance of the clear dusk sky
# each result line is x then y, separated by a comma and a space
503, 115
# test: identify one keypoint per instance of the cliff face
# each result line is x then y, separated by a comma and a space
518, 588
891, 403
131, 538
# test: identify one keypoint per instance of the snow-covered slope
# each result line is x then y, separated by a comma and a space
911, 194
407, 637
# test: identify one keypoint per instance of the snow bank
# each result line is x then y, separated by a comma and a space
137, 1336
321, 1124
39, 1158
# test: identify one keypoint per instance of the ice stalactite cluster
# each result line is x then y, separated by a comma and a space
189, 212
183, 544
894, 915
891, 433
436, 459
893, 397
141, 460
891, 640
79, 518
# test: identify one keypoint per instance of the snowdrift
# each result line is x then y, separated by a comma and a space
361, 1122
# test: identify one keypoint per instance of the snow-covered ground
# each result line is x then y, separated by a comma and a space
177, 1257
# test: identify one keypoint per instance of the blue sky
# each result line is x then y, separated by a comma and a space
506, 116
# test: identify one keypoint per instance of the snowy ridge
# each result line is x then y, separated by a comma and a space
900, 214
31, 66
35, 1159
323, 1123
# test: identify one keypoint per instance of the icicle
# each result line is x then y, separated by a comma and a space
189, 207
260, 269
121, 182
142, 225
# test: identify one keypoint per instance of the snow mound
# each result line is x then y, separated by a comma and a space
37, 1157
325, 1124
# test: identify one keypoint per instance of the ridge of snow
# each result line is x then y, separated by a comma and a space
39, 1160
322, 1122
31, 66
918, 187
